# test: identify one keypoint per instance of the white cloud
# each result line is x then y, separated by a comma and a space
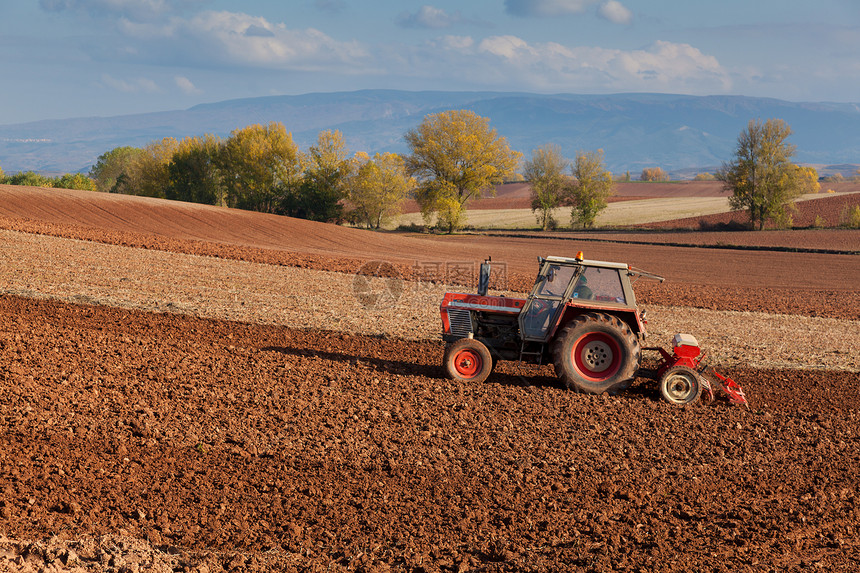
428, 17
510, 48
249, 40
547, 7
663, 66
137, 85
186, 85
235, 39
615, 12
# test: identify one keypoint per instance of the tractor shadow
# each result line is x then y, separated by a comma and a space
350, 360
506, 373
640, 390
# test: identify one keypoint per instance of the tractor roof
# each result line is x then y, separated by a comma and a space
586, 262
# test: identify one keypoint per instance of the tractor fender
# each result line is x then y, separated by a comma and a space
629, 316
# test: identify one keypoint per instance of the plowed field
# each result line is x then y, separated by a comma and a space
139, 433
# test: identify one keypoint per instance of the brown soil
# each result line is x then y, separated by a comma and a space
804, 240
147, 441
243, 447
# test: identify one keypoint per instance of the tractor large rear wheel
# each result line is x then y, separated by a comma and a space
468, 360
596, 353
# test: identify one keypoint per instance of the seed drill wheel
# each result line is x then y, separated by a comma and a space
681, 385
468, 360
596, 353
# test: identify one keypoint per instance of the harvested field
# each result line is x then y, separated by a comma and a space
172, 401
517, 195
630, 211
829, 209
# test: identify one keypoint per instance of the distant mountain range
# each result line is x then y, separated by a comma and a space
682, 134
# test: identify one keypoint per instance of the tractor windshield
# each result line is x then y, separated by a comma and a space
546, 300
599, 284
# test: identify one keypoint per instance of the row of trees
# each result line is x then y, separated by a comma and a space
33, 179
454, 158
260, 168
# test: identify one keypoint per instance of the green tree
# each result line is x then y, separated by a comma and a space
112, 168
147, 174
2, 176
592, 186
30, 179
260, 165
761, 177
327, 169
378, 188
194, 171
75, 181
545, 174
455, 157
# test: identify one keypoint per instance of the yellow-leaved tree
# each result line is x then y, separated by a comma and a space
260, 166
378, 188
455, 157
807, 178
653, 174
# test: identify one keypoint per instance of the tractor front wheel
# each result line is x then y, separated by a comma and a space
468, 360
596, 353
681, 385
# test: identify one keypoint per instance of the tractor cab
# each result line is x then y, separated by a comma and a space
563, 281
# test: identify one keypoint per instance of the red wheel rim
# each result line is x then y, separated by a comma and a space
596, 356
468, 363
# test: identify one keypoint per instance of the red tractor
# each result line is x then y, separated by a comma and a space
581, 316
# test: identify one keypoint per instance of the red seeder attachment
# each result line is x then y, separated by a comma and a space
732, 389
681, 374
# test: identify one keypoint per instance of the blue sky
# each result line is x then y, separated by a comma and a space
77, 58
